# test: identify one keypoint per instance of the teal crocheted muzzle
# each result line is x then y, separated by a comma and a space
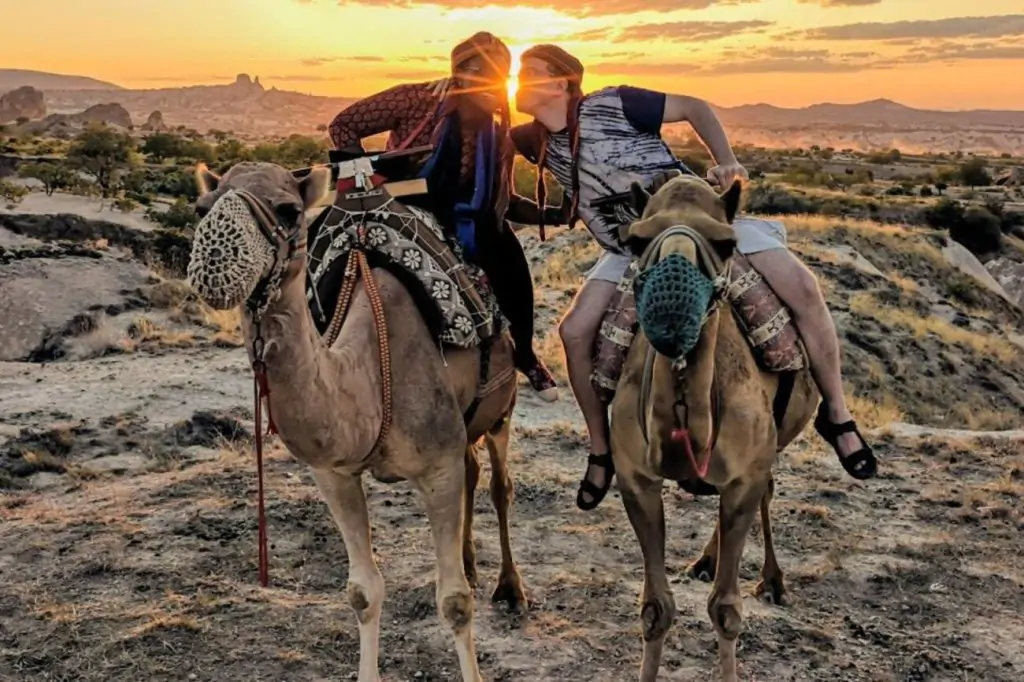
672, 298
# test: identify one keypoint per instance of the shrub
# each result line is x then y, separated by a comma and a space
979, 231
774, 200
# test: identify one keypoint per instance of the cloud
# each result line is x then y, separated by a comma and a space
589, 8
415, 75
953, 27
689, 30
840, 3
321, 61
951, 51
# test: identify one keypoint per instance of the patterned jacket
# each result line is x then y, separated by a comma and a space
407, 112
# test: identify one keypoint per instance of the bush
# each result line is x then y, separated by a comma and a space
180, 215
12, 194
773, 200
944, 215
974, 172
979, 231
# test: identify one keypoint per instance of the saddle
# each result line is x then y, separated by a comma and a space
765, 321
453, 295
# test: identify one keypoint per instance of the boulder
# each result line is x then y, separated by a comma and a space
111, 114
155, 123
24, 102
966, 262
1009, 275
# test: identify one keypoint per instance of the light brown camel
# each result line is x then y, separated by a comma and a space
327, 401
727, 410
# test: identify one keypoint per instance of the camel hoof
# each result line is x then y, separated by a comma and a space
510, 591
703, 569
773, 592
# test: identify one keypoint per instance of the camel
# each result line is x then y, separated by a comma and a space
716, 405
331, 404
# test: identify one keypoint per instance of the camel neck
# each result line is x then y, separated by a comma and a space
309, 382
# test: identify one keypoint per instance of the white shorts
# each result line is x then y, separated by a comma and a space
753, 235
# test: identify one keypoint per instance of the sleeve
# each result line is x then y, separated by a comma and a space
375, 114
644, 109
526, 140
525, 212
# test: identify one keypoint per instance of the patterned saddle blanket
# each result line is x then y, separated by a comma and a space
766, 323
453, 295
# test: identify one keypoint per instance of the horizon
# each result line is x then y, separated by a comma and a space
785, 53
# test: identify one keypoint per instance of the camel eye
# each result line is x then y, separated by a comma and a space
289, 213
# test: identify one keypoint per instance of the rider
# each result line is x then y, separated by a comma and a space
457, 116
595, 146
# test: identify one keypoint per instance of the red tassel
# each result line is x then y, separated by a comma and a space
264, 387
682, 436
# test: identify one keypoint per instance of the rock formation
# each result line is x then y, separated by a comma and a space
155, 123
111, 114
24, 102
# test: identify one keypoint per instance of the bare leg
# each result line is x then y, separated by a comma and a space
510, 582
578, 331
737, 506
443, 494
798, 288
347, 501
468, 548
771, 584
642, 500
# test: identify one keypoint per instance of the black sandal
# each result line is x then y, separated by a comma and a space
586, 487
860, 464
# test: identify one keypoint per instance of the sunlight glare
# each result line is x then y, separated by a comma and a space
513, 72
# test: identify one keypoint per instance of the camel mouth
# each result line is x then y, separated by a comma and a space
229, 256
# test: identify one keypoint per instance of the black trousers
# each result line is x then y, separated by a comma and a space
502, 258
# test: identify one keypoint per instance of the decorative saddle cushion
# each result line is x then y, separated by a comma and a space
454, 296
766, 323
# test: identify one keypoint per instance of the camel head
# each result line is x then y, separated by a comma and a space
683, 200
252, 225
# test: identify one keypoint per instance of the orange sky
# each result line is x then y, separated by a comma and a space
932, 53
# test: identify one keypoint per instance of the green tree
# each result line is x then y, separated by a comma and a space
11, 193
54, 176
104, 153
161, 146
974, 172
179, 215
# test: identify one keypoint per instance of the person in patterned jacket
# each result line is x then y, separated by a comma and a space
469, 174
596, 146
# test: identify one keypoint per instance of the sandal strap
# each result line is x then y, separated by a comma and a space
604, 461
586, 486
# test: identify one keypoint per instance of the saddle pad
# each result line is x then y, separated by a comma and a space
410, 239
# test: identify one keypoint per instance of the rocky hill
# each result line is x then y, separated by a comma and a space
23, 102
42, 80
129, 528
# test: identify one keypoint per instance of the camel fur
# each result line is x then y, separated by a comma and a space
327, 401
744, 440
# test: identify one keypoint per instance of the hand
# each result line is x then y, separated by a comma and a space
724, 175
441, 87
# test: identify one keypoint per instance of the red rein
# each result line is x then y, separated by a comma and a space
261, 390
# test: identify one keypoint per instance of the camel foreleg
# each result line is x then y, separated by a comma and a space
444, 491
642, 499
468, 547
738, 506
347, 501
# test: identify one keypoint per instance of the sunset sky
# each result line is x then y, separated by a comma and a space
929, 53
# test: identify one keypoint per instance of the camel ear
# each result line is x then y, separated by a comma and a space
314, 185
731, 198
206, 180
639, 197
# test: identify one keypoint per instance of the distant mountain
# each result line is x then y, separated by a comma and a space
11, 79
251, 110
873, 113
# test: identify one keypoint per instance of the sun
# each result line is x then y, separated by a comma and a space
513, 75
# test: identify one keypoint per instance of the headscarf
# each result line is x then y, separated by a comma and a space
562, 65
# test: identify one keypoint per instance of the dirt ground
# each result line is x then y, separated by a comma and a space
128, 528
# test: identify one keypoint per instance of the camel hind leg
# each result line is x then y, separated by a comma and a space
771, 585
738, 506
642, 499
347, 501
468, 547
510, 582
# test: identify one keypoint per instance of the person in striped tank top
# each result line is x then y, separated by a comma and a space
596, 145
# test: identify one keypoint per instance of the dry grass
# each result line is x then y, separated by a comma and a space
920, 326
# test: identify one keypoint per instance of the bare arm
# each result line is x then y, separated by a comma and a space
699, 114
